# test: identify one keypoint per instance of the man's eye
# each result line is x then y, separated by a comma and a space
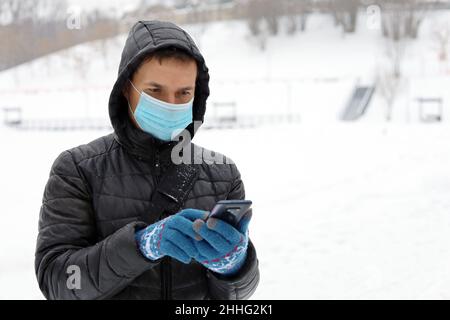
186, 93
154, 90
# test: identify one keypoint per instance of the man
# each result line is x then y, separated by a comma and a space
122, 217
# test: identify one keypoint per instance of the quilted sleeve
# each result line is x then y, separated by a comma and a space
69, 263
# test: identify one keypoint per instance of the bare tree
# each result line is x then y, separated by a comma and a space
415, 13
82, 64
388, 86
395, 52
399, 25
199, 15
263, 11
297, 12
254, 14
402, 18
19, 10
272, 13
441, 37
345, 13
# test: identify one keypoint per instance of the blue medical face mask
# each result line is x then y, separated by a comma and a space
161, 119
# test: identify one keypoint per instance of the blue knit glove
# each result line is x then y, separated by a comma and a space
224, 248
173, 236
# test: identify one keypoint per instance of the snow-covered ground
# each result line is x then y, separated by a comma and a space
342, 211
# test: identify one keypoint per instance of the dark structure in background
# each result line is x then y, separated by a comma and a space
358, 103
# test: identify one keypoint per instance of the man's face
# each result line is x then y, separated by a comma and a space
170, 80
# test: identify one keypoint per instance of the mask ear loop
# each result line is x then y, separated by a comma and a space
134, 87
129, 106
128, 99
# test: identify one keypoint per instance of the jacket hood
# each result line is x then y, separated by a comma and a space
144, 38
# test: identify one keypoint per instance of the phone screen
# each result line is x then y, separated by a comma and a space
230, 211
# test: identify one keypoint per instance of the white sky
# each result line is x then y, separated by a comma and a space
88, 5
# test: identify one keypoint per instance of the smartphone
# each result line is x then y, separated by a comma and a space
230, 211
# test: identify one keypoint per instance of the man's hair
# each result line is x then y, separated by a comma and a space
170, 53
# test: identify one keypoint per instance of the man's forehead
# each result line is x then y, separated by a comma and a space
169, 63
169, 69
162, 85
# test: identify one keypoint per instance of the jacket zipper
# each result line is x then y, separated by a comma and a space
166, 278
157, 165
166, 273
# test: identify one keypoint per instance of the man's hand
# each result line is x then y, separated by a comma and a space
173, 236
223, 248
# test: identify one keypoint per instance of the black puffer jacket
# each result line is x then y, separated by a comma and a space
98, 194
